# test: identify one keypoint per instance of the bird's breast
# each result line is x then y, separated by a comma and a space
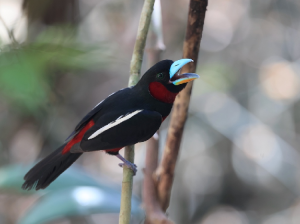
161, 93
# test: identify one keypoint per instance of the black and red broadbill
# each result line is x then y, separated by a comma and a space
124, 118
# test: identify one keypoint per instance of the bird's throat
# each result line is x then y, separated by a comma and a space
161, 93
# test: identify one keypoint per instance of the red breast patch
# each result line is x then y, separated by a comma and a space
161, 93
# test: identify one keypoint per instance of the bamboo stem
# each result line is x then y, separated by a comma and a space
165, 172
135, 70
138, 51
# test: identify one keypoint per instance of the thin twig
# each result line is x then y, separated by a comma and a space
135, 69
165, 172
9, 31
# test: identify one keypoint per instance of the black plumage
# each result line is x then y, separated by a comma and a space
125, 117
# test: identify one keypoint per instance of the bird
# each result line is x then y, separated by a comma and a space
126, 117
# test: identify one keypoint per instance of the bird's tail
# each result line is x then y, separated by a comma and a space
47, 170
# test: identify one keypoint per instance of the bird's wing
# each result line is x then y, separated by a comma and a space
127, 129
90, 115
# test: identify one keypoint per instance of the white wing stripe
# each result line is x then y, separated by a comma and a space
114, 123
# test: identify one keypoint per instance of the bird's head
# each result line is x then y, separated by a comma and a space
164, 79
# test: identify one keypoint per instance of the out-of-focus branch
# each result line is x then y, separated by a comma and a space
154, 213
135, 70
10, 32
157, 29
41, 14
52, 12
165, 172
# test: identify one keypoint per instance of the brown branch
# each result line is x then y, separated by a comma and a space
165, 172
154, 213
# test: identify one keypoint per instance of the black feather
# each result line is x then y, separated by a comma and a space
48, 169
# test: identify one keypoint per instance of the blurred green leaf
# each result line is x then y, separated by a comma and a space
77, 201
21, 79
27, 73
73, 193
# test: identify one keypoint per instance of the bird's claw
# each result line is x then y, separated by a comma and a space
129, 165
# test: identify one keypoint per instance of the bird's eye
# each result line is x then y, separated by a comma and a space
160, 76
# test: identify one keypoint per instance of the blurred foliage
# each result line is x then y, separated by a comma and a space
217, 76
11, 180
240, 150
74, 193
27, 71
76, 201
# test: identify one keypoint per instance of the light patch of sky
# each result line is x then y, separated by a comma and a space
88, 196
11, 15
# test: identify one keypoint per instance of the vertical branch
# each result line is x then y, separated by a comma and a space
154, 213
138, 51
165, 172
41, 14
135, 69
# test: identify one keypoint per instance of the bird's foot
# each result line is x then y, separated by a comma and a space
129, 165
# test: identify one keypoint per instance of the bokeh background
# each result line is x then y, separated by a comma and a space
240, 155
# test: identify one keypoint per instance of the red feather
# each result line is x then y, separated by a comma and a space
113, 150
161, 93
77, 138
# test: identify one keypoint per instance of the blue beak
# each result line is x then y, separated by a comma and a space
177, 65
177, 79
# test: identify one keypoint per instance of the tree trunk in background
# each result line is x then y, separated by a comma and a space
42, 14
49, 13
165, 172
